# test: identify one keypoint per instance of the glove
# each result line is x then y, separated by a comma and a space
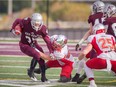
77, 47
52, 56
13, 31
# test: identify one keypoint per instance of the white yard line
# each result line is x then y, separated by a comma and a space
28, 83
55, 75
14, 61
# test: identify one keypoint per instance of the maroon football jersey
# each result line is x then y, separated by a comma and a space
111, 23
29, 35
96, 18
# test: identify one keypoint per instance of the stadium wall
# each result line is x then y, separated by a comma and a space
72, 34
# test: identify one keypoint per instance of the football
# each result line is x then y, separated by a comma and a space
18, 30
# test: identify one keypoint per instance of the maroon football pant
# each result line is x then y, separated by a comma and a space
30, 51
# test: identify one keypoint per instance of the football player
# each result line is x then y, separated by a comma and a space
104, 44
95, 18
110, 19
62, 58
31, 28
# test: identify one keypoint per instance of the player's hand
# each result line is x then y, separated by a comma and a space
13, 31
52, 56
77, 46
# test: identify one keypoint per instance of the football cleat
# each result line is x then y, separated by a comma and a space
64, 79
74, 79
31, 75
92, 85
44, 79
80, 80
37, 71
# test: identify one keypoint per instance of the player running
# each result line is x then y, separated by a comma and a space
31, 29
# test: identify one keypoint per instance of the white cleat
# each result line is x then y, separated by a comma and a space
92, 85
33, 78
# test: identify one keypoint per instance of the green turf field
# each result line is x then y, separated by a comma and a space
13, 73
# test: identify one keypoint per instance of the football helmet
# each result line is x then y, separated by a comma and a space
53, 38
109, 10
59, 42
98, 6
98, 28
36, 21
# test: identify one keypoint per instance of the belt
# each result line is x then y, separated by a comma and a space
107, 51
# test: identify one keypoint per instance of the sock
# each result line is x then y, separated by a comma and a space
33, 64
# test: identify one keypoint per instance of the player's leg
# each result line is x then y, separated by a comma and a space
30, 51
48, 64
42, 65
95, 63
66, 71
30, 71
81, 78
90, 55
43, 71
113, 66
79, 69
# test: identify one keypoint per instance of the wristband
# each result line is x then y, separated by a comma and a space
81, 41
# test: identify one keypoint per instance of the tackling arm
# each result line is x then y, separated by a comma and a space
87, 34
85, 51
49, 45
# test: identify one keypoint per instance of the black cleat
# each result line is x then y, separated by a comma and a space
74, 79
80, 80
37, 71
44, 79
64, 79
31, 75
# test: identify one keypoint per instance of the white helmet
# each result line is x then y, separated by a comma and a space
98, 6
109, 10
59, 42
36, 21
62, 40
98, 28
53, 38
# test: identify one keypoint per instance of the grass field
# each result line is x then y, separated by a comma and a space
13, 73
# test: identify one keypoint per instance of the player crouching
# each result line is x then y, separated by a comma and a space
61, 58
104, 45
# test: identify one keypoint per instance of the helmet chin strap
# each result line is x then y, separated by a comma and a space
37, 28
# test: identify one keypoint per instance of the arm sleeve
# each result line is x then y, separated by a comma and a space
89, 19
49, 45
17, 21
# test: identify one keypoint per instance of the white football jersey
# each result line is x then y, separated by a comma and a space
103, 44
63, 54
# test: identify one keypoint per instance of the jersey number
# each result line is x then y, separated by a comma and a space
99, 21
29, 39
106, 43
114, 28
